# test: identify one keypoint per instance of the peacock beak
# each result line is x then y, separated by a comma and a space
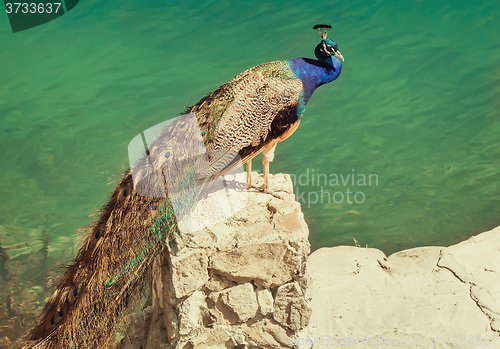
332, 51
338, 54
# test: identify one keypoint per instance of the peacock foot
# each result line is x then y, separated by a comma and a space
258, 184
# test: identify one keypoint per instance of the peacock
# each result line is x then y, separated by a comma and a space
248, 115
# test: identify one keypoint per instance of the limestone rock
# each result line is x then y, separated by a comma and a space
476, 262
217, 338
189, 273
265, 300
424, 293
217, 284
267, 334
238, 303
280, 334
258, 338
267, 264
290, 307
191, 312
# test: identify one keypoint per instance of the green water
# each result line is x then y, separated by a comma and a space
416, 104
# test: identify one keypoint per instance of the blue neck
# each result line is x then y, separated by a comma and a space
314, 73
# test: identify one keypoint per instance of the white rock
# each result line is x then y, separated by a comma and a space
290, 307
425, 293
190, 312
265, 300
189, 273
241, 302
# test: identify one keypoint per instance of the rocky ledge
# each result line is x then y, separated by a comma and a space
240, 283
244, 283
426, 297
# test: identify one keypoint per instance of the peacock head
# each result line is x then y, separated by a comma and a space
327, 47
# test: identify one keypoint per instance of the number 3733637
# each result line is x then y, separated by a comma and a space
18, 7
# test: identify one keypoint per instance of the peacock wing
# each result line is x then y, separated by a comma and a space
263, 107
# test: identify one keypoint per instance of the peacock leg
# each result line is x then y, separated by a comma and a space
249, 174
267, 157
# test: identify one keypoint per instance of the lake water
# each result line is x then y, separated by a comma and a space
416, 107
